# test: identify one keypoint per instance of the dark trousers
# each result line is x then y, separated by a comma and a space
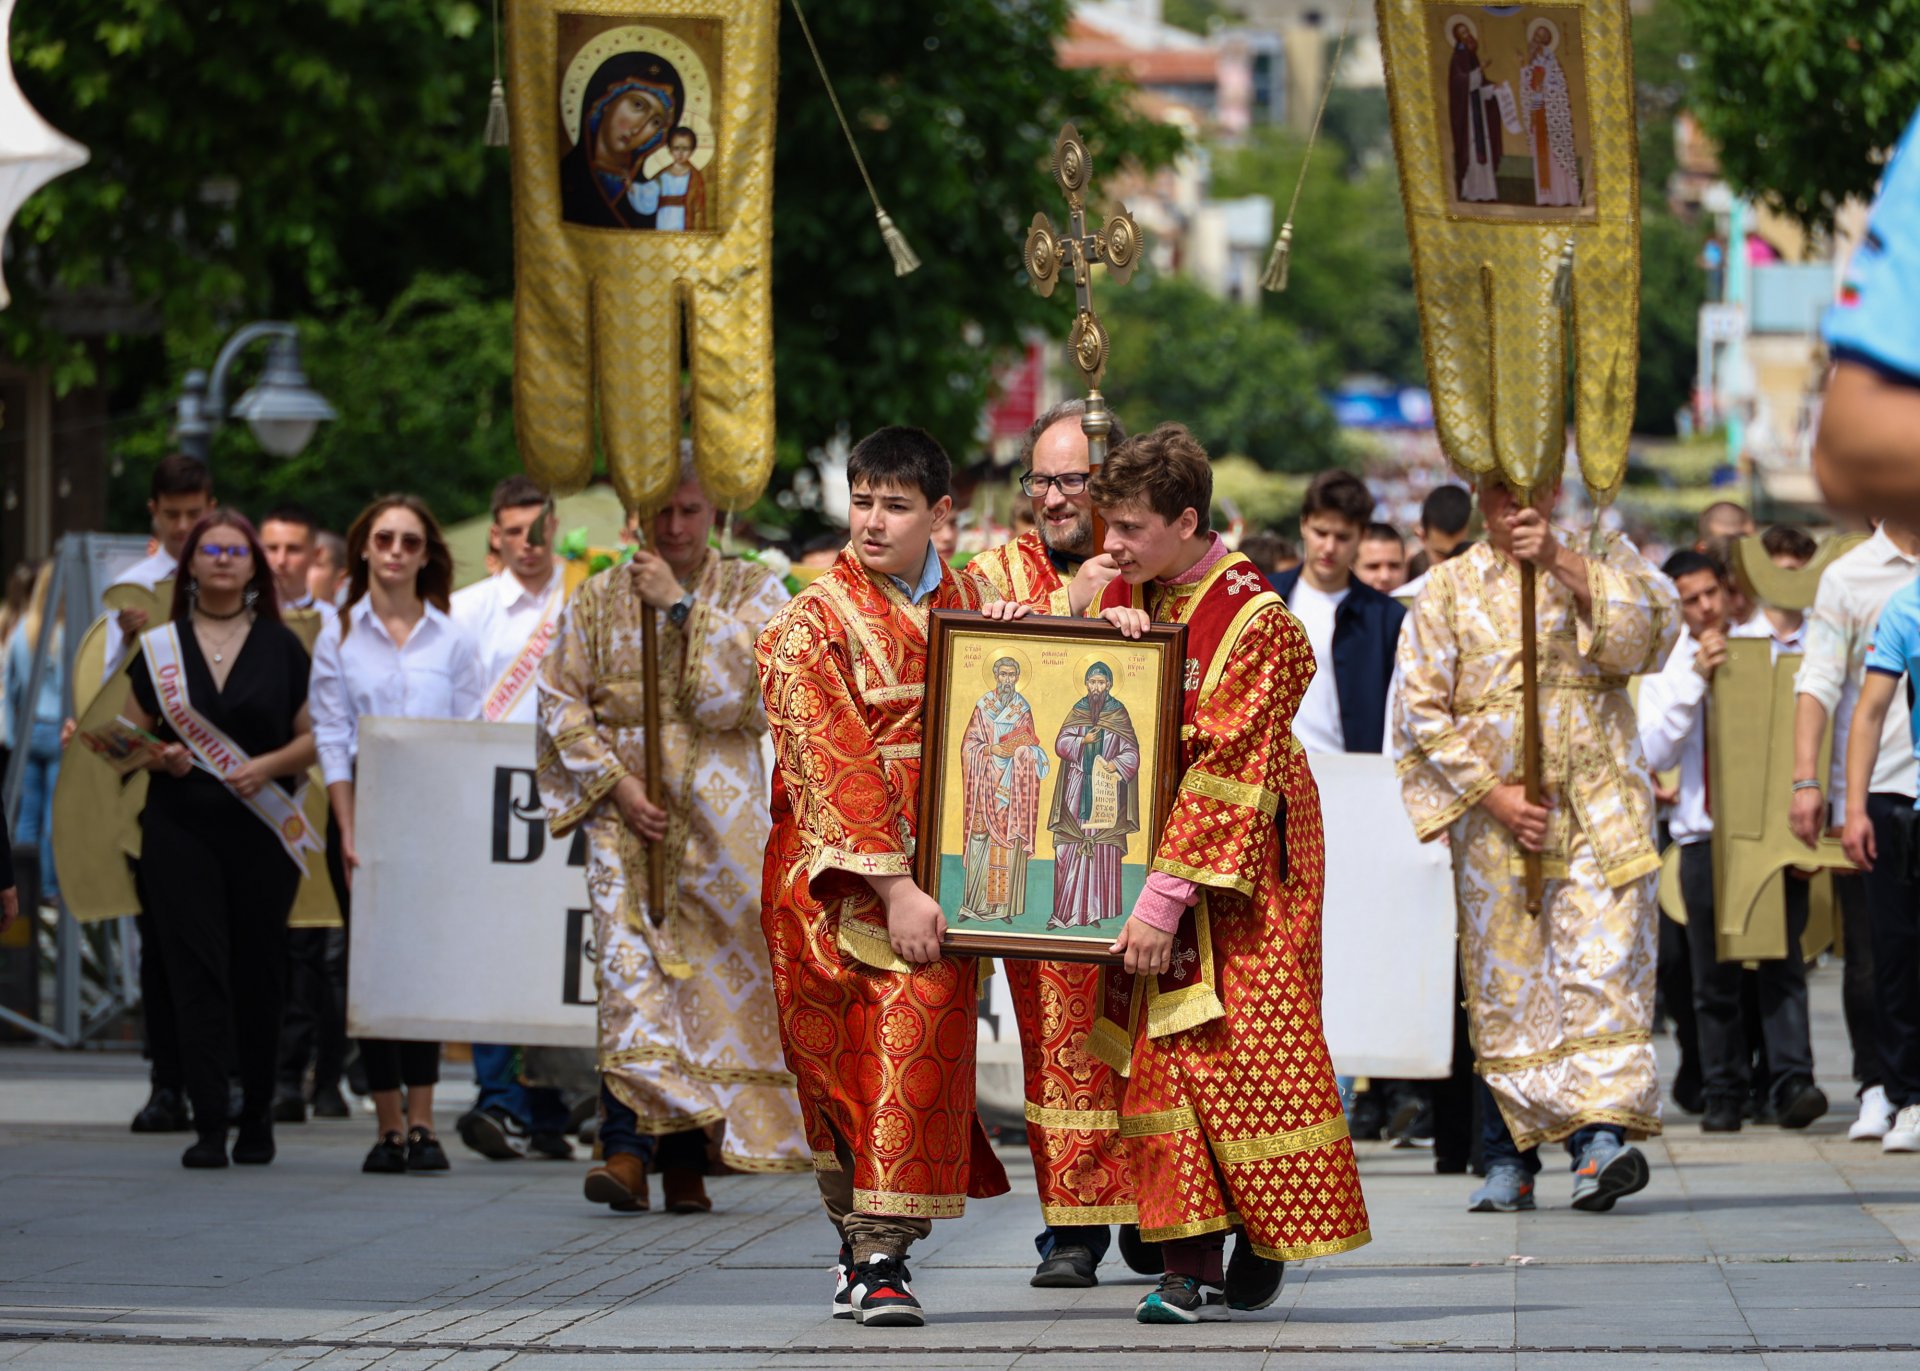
496, 1071
1498, 1148
389, 1062
159, 1036
1856, 976
620, 1133
1675, 976
1895, 906
1455, 1098
1725, 1049
219, 888
314, 1032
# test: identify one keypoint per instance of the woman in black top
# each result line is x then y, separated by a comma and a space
218, 838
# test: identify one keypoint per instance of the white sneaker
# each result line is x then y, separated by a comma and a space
1904, 1136
1876, 1116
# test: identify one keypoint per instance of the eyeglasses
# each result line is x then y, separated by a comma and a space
1073, 483
409, 542
213, 552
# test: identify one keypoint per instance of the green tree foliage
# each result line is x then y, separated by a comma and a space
1350, 291
1673, 285
1244, 381
321, 160
1804, 96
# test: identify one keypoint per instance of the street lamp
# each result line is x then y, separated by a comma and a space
282, 409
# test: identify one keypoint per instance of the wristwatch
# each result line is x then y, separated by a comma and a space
678, 611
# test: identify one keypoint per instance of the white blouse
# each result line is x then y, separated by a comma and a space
435, 675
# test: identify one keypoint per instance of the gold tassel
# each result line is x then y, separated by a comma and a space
903, 259
496, 135
1563, 278
1275, 278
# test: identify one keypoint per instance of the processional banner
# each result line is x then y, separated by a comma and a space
642, 137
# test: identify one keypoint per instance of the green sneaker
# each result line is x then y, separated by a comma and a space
1180, 1299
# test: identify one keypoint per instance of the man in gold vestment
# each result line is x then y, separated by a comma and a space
1073, 1129
688, 1037
1561, 1002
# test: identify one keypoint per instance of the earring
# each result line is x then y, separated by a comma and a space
251, 597
193, 592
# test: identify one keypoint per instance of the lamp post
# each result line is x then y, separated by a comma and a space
282, 409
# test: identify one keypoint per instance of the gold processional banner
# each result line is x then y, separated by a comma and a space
642, 139
1514, 127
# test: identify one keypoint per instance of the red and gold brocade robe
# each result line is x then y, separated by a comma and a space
1231, 1114
1073, 1120
883, 1051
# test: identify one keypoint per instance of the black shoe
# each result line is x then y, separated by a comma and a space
1139, 1254
1723, 1115
1369, 1118
164, 1112
842, 1306
881, 1295
208, 1152
1759, 1108
1687, 1092
330, 1104
493, 1133
1180, 1299
550, 1146
388, 1157
1798, 1102
254, 1145
288, 1105
424, 1152
1253, 1281
1068, 1267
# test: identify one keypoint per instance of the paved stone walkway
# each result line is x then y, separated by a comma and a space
1786, 1250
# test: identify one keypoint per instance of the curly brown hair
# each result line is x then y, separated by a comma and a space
1166, 470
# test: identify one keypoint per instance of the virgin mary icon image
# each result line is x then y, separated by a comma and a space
636, 106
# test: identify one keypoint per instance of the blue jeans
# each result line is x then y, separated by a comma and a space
538, 1108
620, 1133
41, 771
1497, 1146
1096, 1238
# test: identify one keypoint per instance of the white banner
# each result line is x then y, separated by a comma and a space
470, 923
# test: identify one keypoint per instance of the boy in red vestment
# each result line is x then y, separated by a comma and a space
1230, 1114
878, 1026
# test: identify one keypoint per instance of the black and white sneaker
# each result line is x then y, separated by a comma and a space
881, 1295
842, 1306
1180, 1299
493, 1133
1253, 1281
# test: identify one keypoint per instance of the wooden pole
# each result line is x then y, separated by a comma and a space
1530, 721
650, 706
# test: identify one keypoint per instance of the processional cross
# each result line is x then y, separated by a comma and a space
1117, 247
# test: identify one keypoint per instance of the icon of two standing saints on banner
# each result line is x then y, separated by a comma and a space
636, 110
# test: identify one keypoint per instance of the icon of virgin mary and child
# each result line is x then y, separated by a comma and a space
634, 105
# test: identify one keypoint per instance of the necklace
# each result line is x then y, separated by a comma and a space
219, 647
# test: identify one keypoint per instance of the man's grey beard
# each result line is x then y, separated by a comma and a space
1077, 538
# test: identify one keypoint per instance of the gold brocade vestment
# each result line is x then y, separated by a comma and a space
1231, 1114
1073, 1119
687, 1030
1561, 1004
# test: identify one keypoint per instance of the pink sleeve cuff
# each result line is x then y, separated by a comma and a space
1164, 900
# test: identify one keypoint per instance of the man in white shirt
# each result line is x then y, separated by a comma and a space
511, 617
313, 1031
1839, 632
1673, 732
179, 495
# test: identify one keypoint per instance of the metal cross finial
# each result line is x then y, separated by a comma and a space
1117, 247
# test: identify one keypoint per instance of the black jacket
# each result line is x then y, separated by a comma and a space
1366, 632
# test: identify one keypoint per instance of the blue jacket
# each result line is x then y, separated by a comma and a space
1366, 633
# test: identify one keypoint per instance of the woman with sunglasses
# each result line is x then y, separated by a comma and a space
221, 689
395, 653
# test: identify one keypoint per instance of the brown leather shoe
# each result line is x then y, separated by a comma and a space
620, 1183
686, 1190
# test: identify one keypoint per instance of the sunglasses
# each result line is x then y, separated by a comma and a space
215, 551
409, 542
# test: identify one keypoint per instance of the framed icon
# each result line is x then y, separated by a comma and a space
1049, 761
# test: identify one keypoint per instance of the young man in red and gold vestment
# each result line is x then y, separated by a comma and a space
1073, 1132
1230, 1114
878, 1025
